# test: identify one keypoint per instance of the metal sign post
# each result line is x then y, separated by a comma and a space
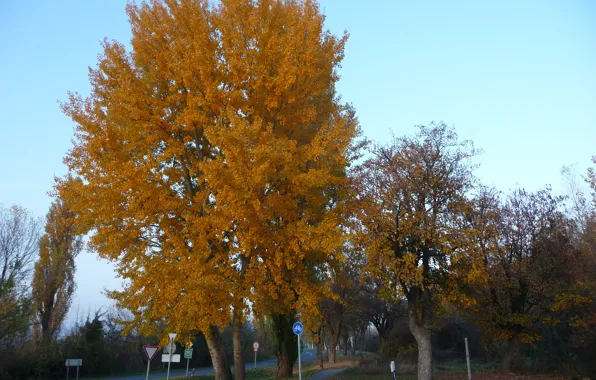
255, 345
297, 328
73, 363
188, 356
468, 360
148, 366
150, 352
171, 349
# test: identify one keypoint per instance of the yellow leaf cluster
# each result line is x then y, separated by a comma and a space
209, 161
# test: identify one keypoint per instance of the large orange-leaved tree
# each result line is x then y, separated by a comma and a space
209, 164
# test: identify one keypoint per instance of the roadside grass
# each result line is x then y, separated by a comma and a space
383, 374
461, 366
371, 368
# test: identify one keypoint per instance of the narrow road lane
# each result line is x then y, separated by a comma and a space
306, 355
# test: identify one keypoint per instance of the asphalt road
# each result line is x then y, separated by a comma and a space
326, 374
306, 356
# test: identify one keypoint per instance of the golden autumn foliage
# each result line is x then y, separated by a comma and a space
209, 160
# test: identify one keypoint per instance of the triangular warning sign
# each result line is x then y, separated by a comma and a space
150, 351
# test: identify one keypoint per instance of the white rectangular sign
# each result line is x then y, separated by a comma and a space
74, 362
166, 358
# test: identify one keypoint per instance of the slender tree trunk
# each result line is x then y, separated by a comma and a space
346, 342
221, 369
362, 344
287, 345
422, 335
44, 349
320, 347
513, 360
239, 370
40, 365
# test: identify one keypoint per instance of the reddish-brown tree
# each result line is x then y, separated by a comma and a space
413, 195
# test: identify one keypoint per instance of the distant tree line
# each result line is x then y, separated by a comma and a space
531, 306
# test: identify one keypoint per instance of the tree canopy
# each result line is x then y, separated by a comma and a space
209, 161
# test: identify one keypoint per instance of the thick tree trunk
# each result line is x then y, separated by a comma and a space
287, 345
239, 372
333, 349
221, 369
332, 353
284, 366
422, 335
334, 334
382, 345
513, 361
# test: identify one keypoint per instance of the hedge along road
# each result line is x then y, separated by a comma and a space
307, 355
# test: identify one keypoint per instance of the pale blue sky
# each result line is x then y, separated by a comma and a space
516, 77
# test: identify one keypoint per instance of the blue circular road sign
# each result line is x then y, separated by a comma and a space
297, 328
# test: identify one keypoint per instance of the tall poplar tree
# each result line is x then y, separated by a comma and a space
53, 280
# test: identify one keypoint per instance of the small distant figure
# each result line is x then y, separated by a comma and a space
193, 371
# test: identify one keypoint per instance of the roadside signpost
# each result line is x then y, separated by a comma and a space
175, 358
171, 348
255, 345
73, 363
298, 329
468, 359
150, 352
188, 356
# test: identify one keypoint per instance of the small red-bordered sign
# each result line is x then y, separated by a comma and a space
150, 351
